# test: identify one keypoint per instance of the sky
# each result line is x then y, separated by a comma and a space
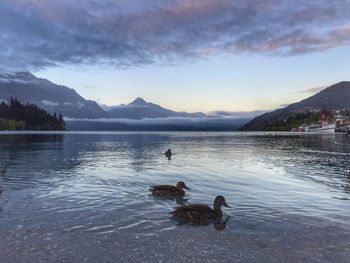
193, 55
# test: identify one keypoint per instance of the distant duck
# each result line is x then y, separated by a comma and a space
199, 212
169, 190
168, 153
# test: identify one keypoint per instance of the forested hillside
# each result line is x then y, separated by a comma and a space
17, 116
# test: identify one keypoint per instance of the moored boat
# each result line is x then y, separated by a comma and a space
322, 127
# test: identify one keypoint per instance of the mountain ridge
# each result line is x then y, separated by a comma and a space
140, 109
334, 97
61, 99
47, 95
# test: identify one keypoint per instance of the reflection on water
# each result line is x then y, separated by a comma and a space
221, 224
218, 224
84, 196
177, 199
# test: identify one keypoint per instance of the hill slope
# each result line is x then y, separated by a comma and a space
335, 97
47, 95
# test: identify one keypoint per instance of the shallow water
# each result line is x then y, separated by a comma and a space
83, 197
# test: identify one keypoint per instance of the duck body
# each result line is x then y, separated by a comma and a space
168, 153
169, 190
195, 212
200, 212
166, 190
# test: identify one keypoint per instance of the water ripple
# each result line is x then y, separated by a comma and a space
97, 184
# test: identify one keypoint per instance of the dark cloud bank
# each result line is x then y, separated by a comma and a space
37, 34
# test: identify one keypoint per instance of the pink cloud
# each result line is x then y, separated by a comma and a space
43, 33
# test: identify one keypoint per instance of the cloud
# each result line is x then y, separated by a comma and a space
284, 105
236, 114
39, 34
19, 77
49, 103
313, 89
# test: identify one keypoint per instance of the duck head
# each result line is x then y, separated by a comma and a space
181, 185
218, 203
168, 151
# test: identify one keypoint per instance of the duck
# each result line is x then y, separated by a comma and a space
200, 212
168, 153
169, 190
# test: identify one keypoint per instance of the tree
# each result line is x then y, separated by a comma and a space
28, 116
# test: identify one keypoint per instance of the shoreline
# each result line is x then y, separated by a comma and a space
29, 132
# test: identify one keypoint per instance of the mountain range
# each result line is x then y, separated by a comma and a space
60, 99
335, 97
140, 109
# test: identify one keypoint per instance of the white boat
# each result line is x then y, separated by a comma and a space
321, 127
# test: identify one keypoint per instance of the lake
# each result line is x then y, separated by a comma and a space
83, 197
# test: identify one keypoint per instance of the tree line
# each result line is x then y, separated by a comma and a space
17, 116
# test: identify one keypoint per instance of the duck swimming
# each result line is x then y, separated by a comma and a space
168, 153
199, 212
169, 190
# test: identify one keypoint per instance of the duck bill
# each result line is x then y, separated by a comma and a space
225, 204
187, 188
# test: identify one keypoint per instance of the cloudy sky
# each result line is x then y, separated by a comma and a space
194, 55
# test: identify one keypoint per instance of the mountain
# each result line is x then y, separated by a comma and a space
85, 114
335, 97
47, 95
140, 109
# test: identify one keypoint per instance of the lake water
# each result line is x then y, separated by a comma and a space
83, 197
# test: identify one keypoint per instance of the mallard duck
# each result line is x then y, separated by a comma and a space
169, 190
168, 153
199, 212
